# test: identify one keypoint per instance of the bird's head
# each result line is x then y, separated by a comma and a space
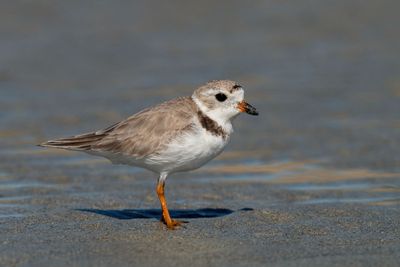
222, 99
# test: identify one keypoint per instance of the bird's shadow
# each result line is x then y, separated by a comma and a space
128, 214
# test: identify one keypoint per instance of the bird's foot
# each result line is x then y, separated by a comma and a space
173, 223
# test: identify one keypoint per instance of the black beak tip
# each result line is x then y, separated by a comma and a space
251, 110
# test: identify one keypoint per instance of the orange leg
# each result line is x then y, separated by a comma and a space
166, 218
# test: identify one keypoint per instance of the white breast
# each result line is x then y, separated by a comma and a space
188, 151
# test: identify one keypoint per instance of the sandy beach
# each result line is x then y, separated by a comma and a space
312, 181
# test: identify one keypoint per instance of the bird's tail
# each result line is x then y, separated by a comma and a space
82, 142
77, 142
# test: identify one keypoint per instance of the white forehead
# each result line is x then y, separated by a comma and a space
239, 93
226, 86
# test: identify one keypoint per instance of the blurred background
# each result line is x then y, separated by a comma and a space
324, 75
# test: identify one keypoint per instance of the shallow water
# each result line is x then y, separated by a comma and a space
324, 76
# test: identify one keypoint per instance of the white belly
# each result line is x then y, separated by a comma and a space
188, 152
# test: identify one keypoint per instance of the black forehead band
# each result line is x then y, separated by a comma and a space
235, 87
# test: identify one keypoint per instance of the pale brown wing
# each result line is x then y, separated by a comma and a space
139, 135
79, 142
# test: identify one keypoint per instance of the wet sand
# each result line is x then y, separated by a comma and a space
313, 181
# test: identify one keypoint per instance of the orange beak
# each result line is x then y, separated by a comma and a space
246, 107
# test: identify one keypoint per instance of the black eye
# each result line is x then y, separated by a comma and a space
221, 97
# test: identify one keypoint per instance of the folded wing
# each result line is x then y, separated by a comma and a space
139, 135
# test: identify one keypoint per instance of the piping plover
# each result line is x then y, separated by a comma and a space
178, 135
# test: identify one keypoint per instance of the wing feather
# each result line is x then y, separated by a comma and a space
140, 135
